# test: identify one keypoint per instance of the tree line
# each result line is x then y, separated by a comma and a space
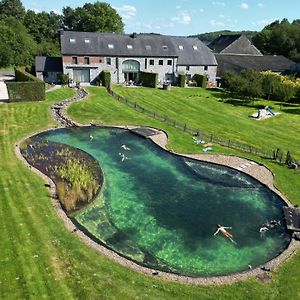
26, 33
252, 84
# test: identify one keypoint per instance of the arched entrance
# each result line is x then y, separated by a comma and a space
131, 70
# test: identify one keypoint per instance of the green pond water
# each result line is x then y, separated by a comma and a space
161, 210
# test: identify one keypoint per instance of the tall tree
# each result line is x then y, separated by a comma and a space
98, 16
280, 38
12, 8
43, 26
21, 47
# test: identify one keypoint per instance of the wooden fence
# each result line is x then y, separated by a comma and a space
194, 131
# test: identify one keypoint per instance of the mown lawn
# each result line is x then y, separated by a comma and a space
41, 259
200, 108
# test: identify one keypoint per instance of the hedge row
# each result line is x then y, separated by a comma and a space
105, 78
22, 75
26, 90
149, 79
201, 80
181, 80
26, 87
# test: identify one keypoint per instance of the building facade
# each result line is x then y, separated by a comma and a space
86, 54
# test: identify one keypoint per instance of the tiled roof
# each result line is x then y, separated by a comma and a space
48, 64
236, 63
233, 44
190, 51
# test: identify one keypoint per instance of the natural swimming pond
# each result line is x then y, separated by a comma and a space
161, 210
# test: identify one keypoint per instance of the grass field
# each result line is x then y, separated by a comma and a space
200, 108
41, 259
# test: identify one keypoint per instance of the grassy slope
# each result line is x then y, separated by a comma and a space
40, 258
206, 110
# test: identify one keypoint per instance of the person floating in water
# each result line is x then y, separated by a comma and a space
225, 232
123, 157
125, 147
91, 137
263, 229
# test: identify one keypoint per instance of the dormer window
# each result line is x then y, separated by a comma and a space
148, 47
111, 46
195, 47
72, 41
180, 47
87, 41
129, 47
165, 47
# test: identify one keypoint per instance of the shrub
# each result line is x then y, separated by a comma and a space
26, 87
201, 80
26, 91
149, 79
181, 80
105, 78
63, 79
22, 75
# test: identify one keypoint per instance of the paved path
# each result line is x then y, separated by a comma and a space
3, 89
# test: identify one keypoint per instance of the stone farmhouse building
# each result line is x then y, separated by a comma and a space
86, 54
236, 52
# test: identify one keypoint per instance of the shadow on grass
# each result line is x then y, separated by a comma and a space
243, 102
292, 111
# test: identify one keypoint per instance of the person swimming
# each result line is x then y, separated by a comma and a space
91, 137
123, 146
123, 157
225, 232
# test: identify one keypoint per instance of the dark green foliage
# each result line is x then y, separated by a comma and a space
26, 87
201, 80
22, 75
181, 80
12, 8
26, 91
16, 45
105, 78
284, 92
43, 26
98, 16
149, 79
278, 155
270, 85
280, 38
253, 88
253, 84
64, 79
289, 159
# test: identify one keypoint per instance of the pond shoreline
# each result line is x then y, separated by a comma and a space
259, 172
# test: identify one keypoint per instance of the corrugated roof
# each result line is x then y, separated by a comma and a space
48, 64
236, 63
142, 45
